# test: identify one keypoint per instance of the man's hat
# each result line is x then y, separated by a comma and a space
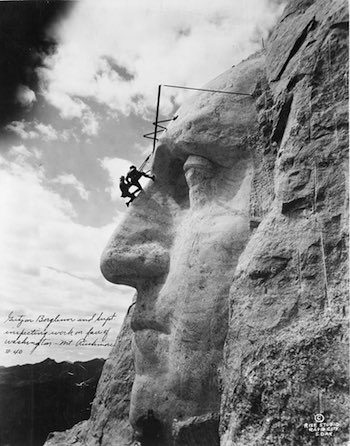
132, 167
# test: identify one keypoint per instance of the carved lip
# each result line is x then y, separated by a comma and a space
142, 325
149, 341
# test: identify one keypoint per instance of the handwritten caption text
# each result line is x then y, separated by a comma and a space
27, 334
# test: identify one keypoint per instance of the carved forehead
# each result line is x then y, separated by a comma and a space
213, 125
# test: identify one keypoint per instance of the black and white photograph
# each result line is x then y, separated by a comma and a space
174, 229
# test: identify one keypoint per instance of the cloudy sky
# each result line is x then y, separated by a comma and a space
78, 89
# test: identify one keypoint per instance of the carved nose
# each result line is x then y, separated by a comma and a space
138, 249
129, 264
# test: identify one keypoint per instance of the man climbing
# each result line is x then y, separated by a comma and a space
124, 187
134, 175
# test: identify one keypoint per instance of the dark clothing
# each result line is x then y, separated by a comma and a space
124, 188
137, 184
133, 177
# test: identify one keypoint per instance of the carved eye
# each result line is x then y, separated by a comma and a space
199, 173
198, 170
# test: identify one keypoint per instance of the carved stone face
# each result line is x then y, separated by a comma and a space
179, 246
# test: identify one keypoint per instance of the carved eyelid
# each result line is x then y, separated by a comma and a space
198, 162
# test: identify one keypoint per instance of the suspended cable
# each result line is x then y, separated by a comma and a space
210, 91
159, 128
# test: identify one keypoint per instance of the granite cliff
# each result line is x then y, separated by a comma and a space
240, 263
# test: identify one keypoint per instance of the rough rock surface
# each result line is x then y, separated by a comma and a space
179, 245
249, 248
286, 355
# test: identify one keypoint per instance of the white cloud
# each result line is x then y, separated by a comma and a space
137, 45
144, 148
38, 130
37, 153
90, 124
21, 155
25, 96
32, 130
21, 129
69, 108
71, 180
49, 262
47, 132
20, 150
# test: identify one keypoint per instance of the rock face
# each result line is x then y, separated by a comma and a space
238, 252
286, 356
179, 247
38, 398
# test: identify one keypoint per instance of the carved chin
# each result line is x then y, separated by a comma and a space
147, 394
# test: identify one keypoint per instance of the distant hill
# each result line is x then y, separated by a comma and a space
36, 399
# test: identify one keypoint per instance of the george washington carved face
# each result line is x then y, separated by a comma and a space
179, 245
